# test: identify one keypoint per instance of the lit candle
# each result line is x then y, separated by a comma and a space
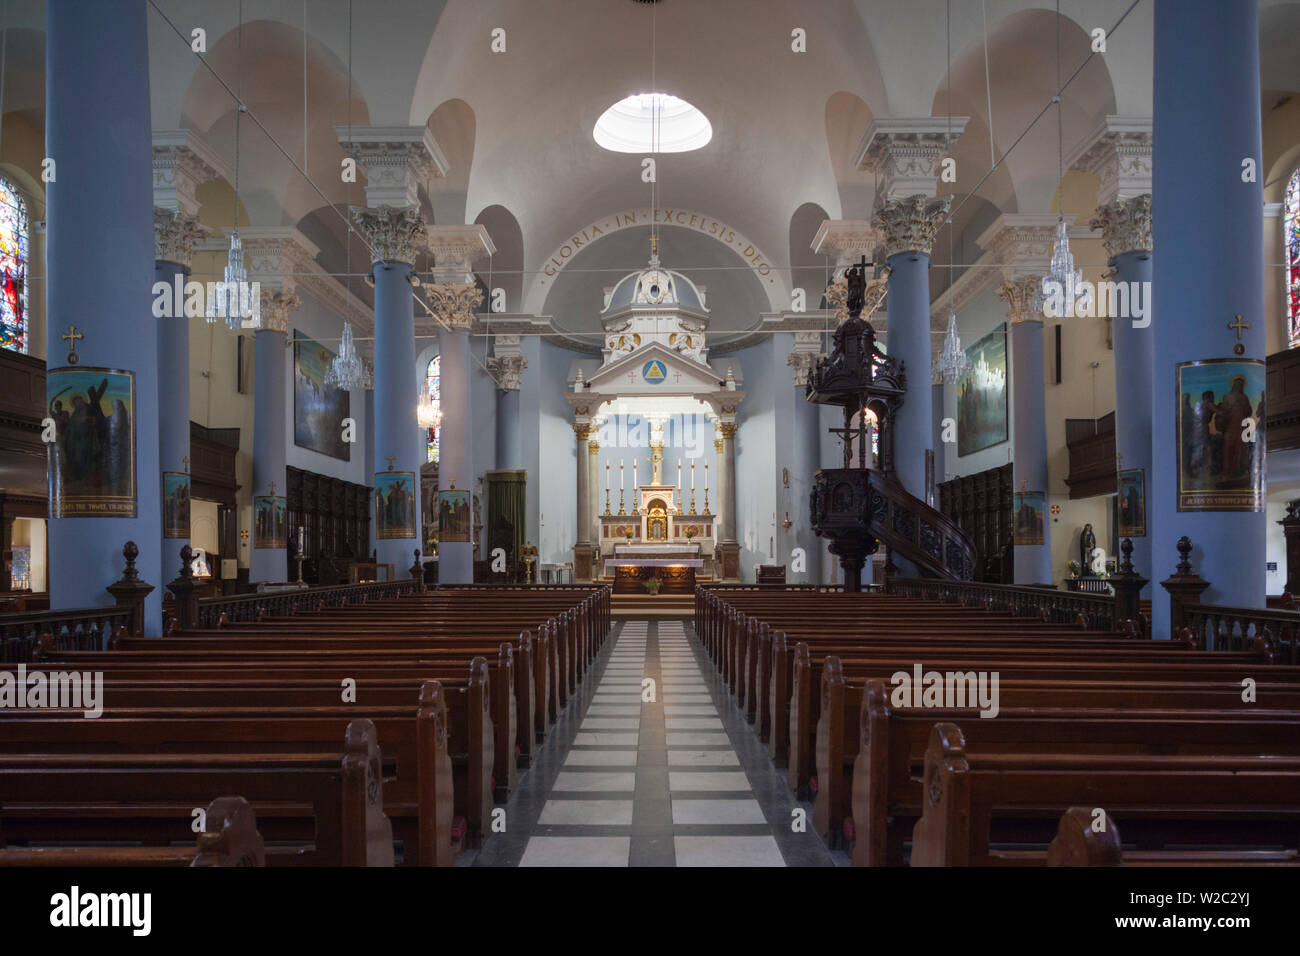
706, 476
607, 476
634, 474
621, 483
300, 539
692, 476
679, 476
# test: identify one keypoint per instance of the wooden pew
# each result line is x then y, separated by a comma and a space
964, 792
229, 838
886, 787
139, 796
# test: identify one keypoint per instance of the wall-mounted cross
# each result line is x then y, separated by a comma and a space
1239, 325
390, 459
71, 336
186, 461
1024, 485
273, 488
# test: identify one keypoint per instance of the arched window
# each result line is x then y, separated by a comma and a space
433, 386
13, 268
1291, 220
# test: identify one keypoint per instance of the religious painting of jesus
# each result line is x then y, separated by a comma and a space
270, 521
1027, 519
176, 504
394, 505
92, 457
982, 395
453, 516
1220, 439
1132, 503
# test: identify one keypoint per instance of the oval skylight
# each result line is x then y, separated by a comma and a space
652, 123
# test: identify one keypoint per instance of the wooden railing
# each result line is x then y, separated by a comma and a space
248, 608
1061, 607
930, 539
79, 629
1235, 628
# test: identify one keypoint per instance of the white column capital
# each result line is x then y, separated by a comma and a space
397, 160
803, 357
1024, 298
507, 364
395, 234
1125, 225
1119, 152
906, 153
276, 306
909, 224
174, 235
182, 162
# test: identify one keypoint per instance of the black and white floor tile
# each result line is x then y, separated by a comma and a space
653, 766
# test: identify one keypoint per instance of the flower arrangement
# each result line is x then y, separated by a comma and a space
1073, 568
690, 533
629, 534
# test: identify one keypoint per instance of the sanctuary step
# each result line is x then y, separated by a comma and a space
652, 606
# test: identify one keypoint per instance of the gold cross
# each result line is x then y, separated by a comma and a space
72, 335
1024, 484
1119, 462
273, 488
186, 460
390, 459
1239, 325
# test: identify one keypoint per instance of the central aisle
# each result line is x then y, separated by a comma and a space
656, 782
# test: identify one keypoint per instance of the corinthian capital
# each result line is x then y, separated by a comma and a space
909, 224
276, 307
395, 234
174, 235
1125, 225
1024, 298
454, 302
508, 370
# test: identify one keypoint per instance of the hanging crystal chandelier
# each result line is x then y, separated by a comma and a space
1063, 284
953, 362
345, 370
233, 299
427, 413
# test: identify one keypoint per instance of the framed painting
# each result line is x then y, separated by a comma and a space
1027, 517
395, 493
318, 409
1220, 435
270, 521
92, 458
1132, 503
176, 504
982, 395
453, 517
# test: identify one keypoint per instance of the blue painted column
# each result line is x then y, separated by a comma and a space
100, 238
455, 559
1029, 434
269, 442
174, 235
1126, 232
396, 234
509, 438
908, 225
1208, 224
936, 438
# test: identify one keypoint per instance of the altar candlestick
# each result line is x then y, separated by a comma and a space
679, 476
300, 539
692, 476
607, 476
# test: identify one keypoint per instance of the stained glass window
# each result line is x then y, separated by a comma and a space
433, 385
1291, 218
13, 268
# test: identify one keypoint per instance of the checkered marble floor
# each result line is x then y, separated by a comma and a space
652, 774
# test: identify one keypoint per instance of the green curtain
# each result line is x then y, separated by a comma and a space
508, 502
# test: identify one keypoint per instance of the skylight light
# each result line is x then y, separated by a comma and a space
652, 123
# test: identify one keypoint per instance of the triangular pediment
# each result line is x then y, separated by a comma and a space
655, 370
